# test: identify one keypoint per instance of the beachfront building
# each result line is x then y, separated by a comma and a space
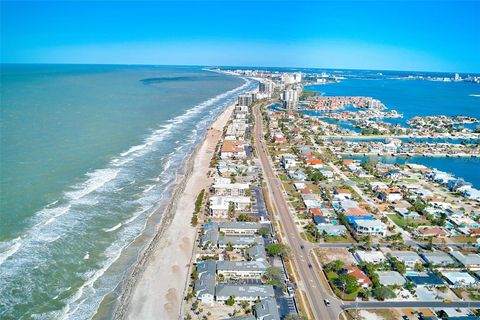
209, 238
249, 293
239, 227
267, 309
246, 99
205, 284
257, 253
238, 242
233, 149
221, 205
225, 187
241, 269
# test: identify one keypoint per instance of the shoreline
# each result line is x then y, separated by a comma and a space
143, 294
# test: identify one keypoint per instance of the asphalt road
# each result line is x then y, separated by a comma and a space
309, 277
411, 304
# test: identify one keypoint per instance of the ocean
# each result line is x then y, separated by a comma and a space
419, 98
88, 152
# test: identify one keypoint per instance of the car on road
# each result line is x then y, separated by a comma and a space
290, 290
405, 318
447, 301
327, 302
310, 265
302, 246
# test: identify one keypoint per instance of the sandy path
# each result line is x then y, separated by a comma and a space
159, 291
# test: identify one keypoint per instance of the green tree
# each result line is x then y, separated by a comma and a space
419, 267
370, 165
263, 231
194, 275
276, 249
231, 209
230, 301
244, 304
409, 286
347, 283
294, 317
273, 276
398, 265
334, 266
243, 217
316, 177
418, 205
382, 293
230, 246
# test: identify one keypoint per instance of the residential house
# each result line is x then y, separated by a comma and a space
390, 278
425, 279
438, 258
460, 279
369, 256
332, 229
362, 279
390, 194
471, 261
370, 227
425, 232
410, 258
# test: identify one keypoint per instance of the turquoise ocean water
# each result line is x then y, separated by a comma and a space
420, 98
87, 153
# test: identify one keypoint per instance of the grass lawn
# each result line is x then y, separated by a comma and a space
399, 221
307, 237
288, 187
302, 216
461, 239
337, 239
332, 276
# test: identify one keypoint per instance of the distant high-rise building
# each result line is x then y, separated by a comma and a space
291, 78
266, 88
457, 77
290, 98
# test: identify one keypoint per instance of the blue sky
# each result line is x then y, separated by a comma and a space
409, 35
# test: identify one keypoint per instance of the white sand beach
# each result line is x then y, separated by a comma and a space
159, 290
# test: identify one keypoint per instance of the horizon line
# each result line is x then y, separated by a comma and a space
228, 66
